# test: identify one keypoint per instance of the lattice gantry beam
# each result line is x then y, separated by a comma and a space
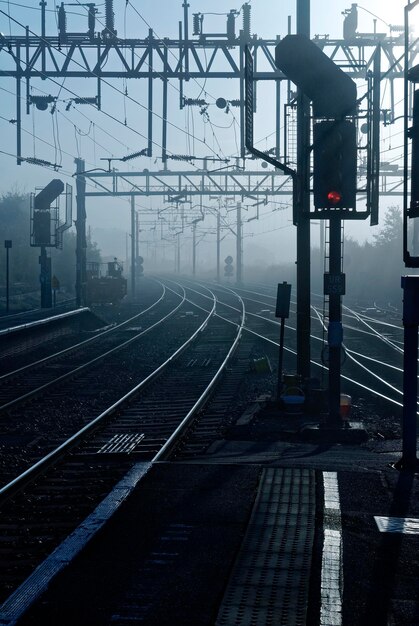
32, 57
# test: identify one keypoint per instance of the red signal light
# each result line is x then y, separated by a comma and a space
334, 197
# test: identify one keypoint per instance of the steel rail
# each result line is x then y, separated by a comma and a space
82, 343
32, 587
350, 354
372, 332
348, 351
371, 390
354, 314
323, 367
80, 368
165, 452
40, 466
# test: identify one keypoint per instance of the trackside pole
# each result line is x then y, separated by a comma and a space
410, 286
282, 311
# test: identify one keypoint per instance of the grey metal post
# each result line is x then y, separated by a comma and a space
335, 324
7, 280
303, 223
18, 108
239, 244
322, 243
410, 285
218, 243
45, 279
137, 235
43, 33
186, 38
278, 120
80, 233
280, 358
150, 97
133, 246
242, 107
7, 245
164, 120
194, 249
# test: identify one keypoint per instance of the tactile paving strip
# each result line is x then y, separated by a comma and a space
269, 584
121, 443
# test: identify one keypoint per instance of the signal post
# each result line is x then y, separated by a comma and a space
333, 97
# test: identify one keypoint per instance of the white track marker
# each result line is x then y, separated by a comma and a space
331, 577
404, 525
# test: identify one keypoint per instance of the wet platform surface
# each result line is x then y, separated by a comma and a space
256, 532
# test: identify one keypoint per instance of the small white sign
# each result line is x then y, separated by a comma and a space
405, 525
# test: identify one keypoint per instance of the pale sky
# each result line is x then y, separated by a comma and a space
83, 131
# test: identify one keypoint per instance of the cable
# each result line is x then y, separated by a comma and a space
136, 101
164, 44
202, 88
106, 83
266, 232
55, 140
58, 112
373, 14
63, 172
26, 6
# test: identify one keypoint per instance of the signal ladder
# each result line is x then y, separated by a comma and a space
325, 238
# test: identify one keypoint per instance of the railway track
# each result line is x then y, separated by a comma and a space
36, 421
372, 376
36, 376
174, 413
48, 501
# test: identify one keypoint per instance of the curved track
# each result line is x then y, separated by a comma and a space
144, 424
173, 411
372, 370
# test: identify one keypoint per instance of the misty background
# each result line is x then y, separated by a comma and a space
68, 131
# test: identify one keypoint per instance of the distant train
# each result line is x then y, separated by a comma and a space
108, 289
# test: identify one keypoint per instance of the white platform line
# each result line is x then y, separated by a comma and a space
331, 577
403, 525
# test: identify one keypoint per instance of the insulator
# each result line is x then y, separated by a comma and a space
247, 9
235, 103
109, 18
181, 157
91, 20
231, 25
35, 161
396, 28
62, 23
193, 102
197, 23
41, 102
134, 155
85, 100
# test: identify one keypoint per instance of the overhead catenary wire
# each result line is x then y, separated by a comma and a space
202, 88
142, 106
37, 8
58, 112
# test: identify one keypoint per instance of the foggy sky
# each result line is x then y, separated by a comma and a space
79, 130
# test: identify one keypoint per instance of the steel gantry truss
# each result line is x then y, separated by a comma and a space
104, 56
173, 186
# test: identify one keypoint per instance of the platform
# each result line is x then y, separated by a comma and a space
255, 533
